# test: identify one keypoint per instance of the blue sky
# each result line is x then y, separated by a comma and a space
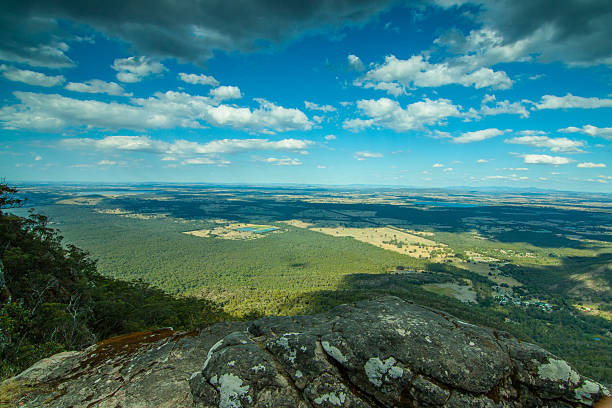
424, 94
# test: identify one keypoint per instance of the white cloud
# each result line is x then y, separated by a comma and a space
285, 161
367, 155
488, 98
44, 112
545, 159
330, 137
501, 107
226, 92
184, 147
598, 180
556, 145
477, 136
392, 88
38, 157
206, 160
589, 165
107, 163
418, 72
448, 169
529, 132
97, 86
31, 77
438, 165
134, 69
189, 152
571, 101
590, 130
386, 113
355, 63
198, 79
511, 177
482, 161
438, 134
268, 117
52, 112
323, 108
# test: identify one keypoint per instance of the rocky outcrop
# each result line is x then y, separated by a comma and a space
381, 353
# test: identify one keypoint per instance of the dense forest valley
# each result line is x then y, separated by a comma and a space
95, 261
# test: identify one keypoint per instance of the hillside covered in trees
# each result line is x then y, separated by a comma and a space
53, 299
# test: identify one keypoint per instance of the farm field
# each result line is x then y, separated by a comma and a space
536, 267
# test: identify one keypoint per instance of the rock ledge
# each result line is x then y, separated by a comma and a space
380, 353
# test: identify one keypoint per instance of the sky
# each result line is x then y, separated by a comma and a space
407, 93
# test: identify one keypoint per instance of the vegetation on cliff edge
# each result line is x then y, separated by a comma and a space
52, 297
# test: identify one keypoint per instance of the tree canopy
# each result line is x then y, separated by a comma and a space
52, 297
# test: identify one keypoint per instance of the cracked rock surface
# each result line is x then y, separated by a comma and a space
379, 353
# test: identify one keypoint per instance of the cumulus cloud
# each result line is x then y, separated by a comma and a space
590, 130
395, 74
482, 161
285, 161
502, 107
531, 132
570, 101
478, 135
511, 177
354, 63
556, 145
206, 160
198, 79
367, 155
189, 30
438, 165
134, 69
31, 77
590, 165
387, 113
322, 108
107, 163
545, 159
330, 137
225, 92
392, 88
268, 117
190, 152
97, 86
51, 112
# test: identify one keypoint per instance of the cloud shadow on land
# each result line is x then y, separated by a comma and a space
564, 331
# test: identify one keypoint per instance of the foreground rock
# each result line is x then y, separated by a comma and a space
382, 353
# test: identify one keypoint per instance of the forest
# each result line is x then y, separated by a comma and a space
138, 243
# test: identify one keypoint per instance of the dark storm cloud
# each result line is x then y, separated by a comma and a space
573, 31
188, 29
30, 40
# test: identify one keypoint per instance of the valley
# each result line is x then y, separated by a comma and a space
534, 264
